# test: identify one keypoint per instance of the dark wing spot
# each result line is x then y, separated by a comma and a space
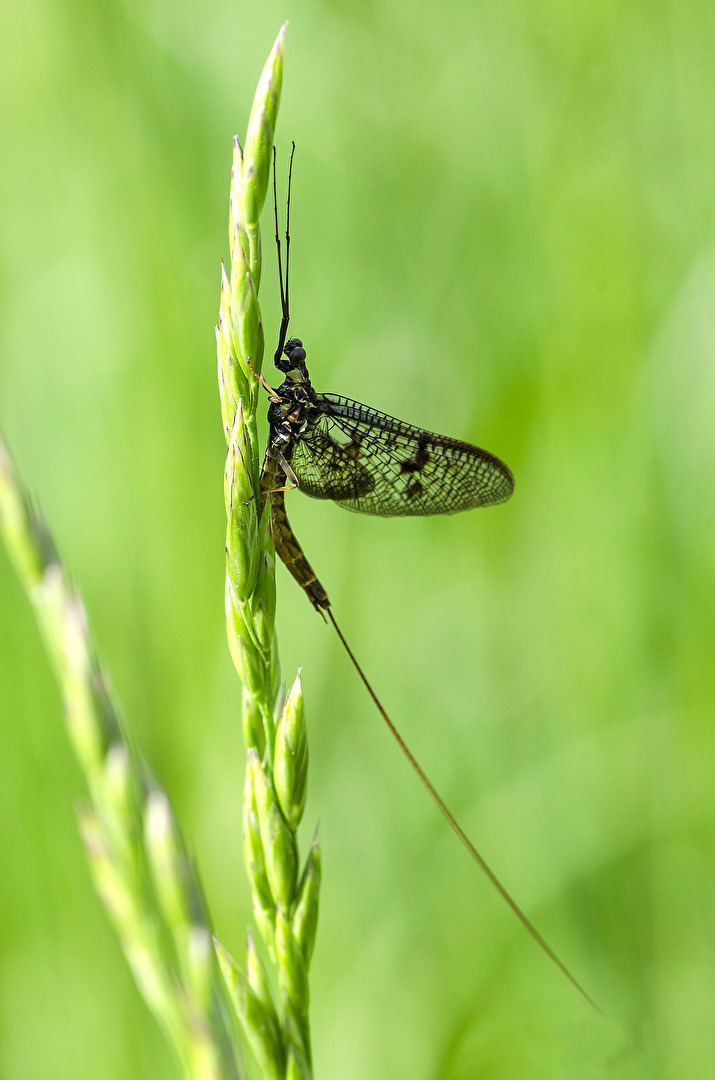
414, 488
418, 460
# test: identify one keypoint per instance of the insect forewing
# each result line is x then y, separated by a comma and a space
373, 463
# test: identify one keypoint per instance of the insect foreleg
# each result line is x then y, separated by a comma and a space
261, 379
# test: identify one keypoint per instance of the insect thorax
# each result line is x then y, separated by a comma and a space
289, 415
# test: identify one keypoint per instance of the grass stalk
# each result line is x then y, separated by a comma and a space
285, 900
138, 859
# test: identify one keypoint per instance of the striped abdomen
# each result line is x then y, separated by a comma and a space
286, 543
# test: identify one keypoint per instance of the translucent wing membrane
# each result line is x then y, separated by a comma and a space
374, 464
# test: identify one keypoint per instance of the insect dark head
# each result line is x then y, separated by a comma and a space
292, 360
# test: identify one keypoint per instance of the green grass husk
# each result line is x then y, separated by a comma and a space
285, 902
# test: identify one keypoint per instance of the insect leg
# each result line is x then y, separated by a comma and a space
261, 379
269, 474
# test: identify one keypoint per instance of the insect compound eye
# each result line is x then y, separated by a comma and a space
294, 350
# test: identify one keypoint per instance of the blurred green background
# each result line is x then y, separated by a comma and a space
503, 230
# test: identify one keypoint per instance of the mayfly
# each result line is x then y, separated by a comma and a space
331, 447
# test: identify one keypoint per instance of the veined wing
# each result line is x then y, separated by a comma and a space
372, 463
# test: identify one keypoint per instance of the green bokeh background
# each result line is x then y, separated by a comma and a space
503, 230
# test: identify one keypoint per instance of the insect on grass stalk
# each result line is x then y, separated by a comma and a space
284, 894
334, 448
